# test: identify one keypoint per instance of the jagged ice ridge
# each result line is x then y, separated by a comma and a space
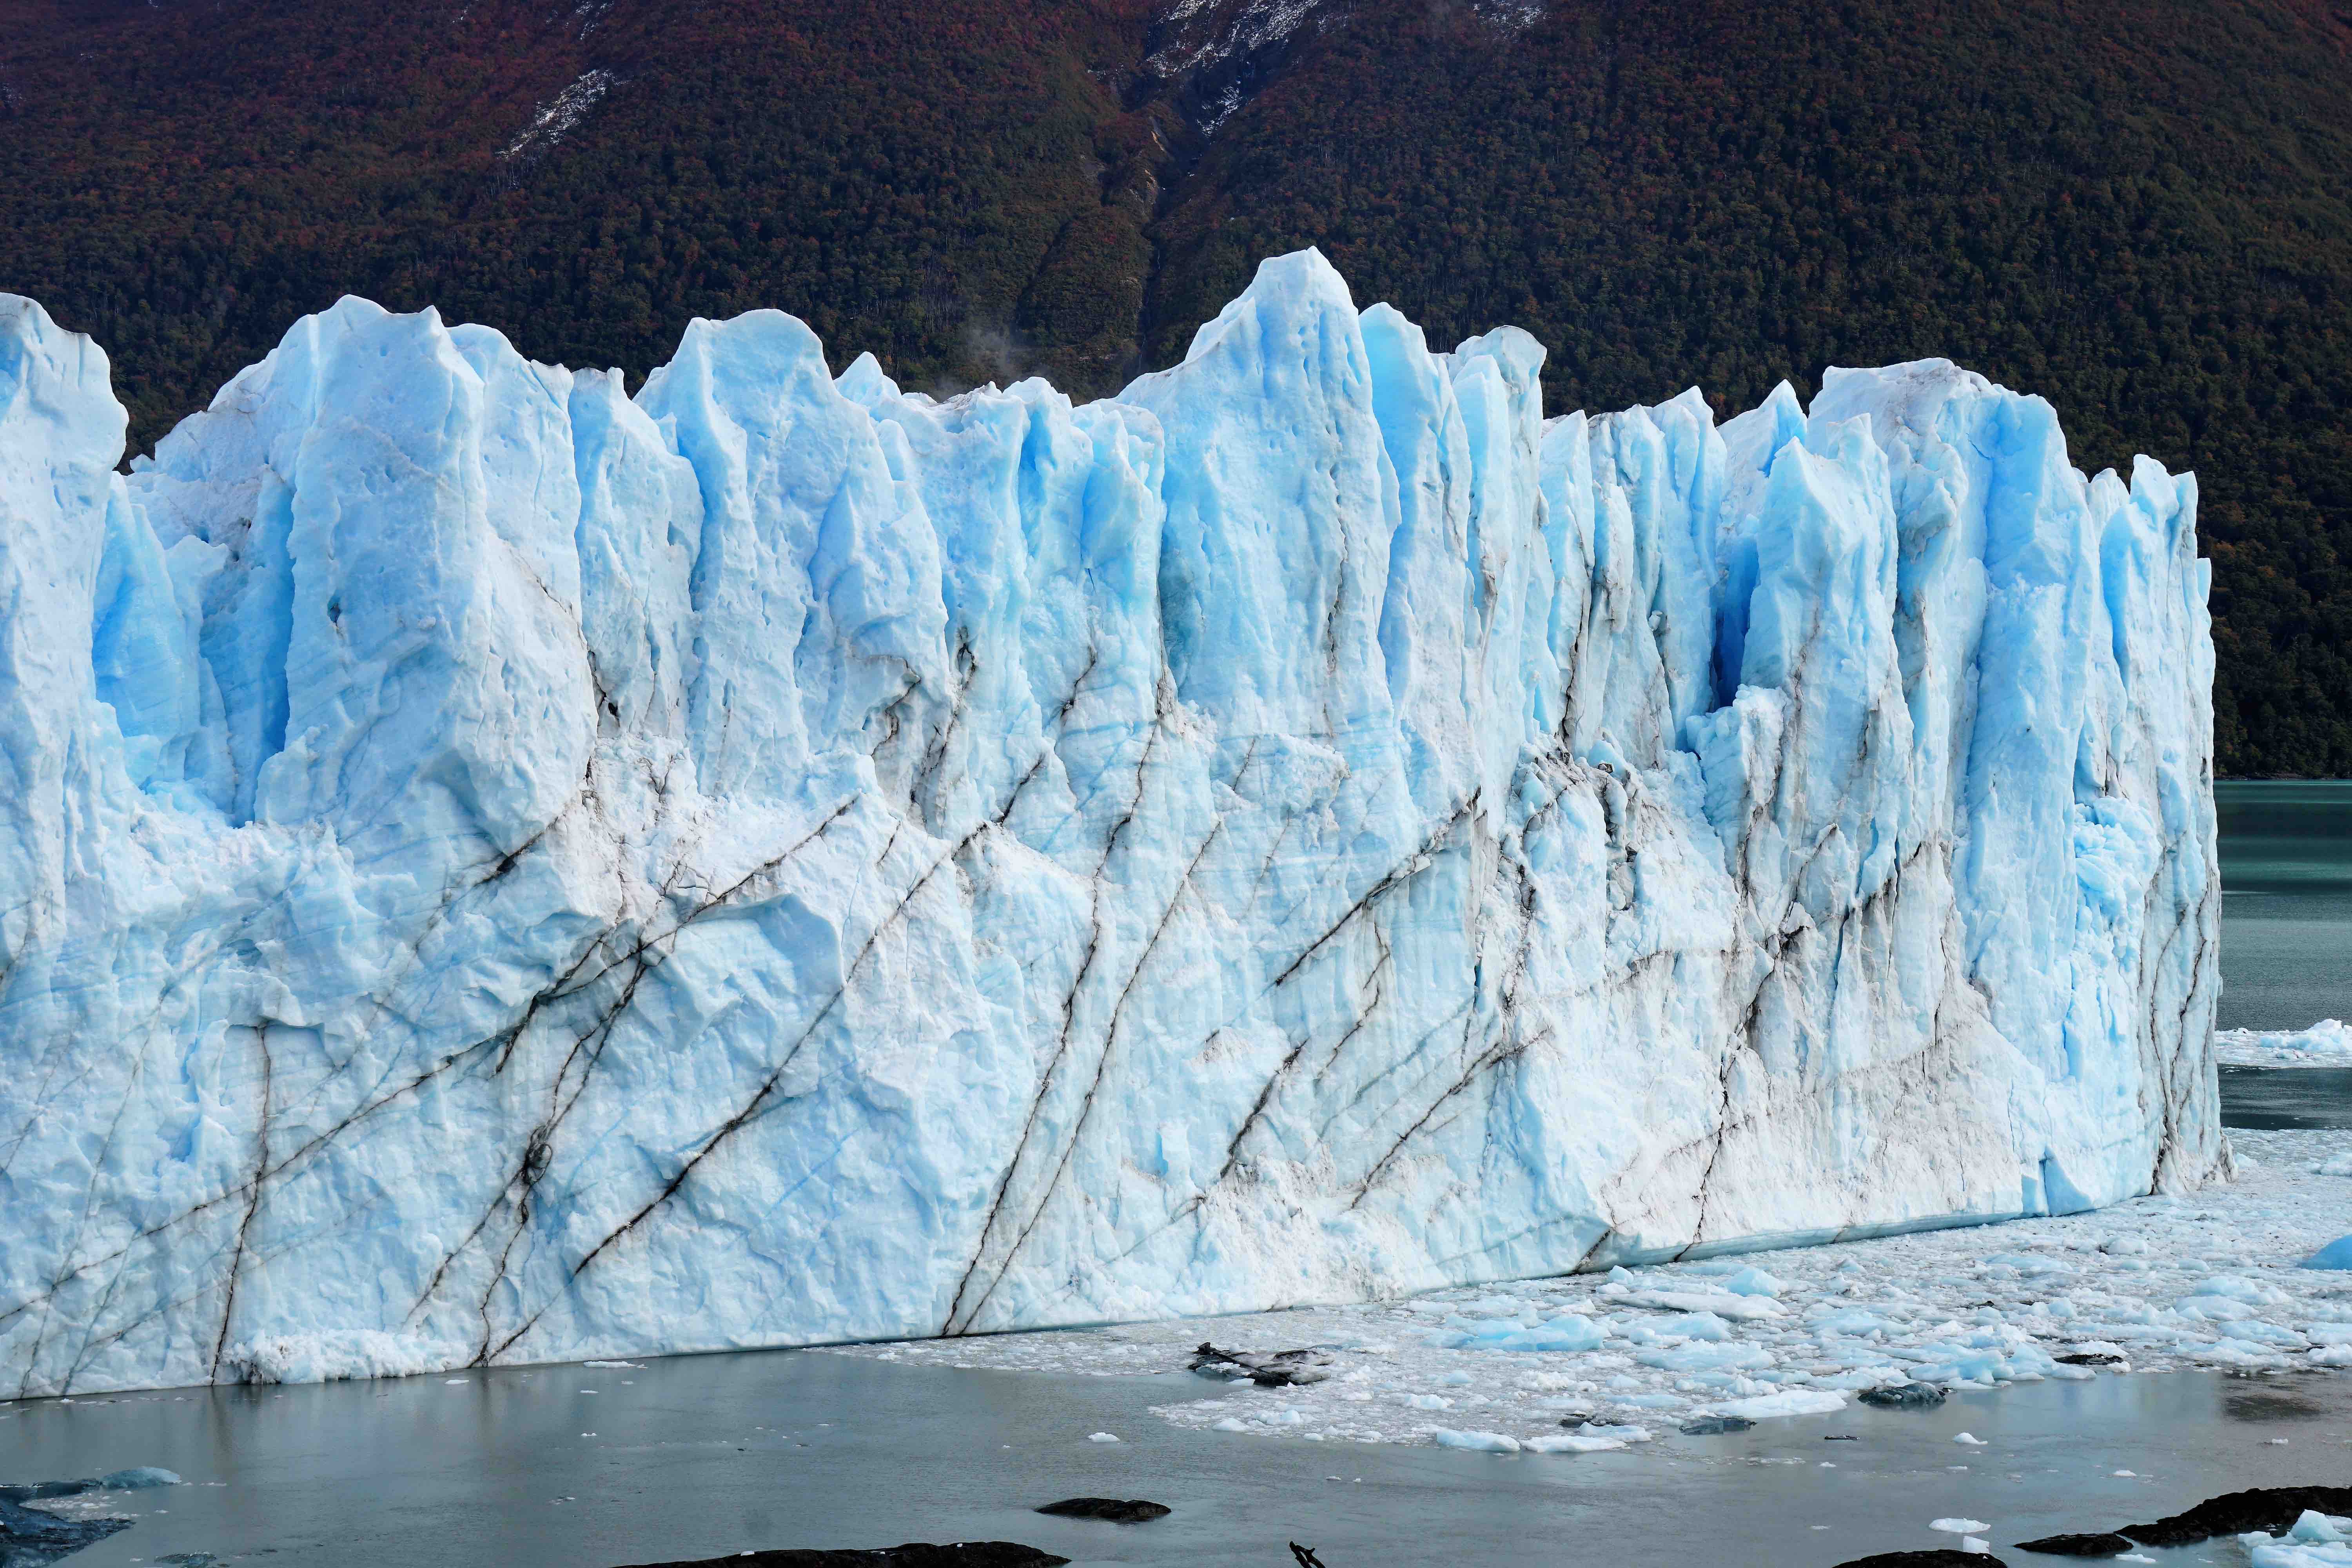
497, 870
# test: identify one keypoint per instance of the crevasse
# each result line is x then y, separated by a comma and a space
496, 870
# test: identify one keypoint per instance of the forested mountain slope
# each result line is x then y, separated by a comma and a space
2141, 209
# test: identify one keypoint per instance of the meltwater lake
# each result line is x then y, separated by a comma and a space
698, 1456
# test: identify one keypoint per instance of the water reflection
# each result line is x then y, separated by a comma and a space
2287, 907
2276, 1099
705, 1455
2271, 1404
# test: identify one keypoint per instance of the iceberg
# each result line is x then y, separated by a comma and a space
2327, 1043
496, 869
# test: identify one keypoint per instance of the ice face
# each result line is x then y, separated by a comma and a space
496, 870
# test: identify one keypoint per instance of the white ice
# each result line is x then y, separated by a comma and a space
2313, 1541
2206, 1281
492, 869
2327, 1043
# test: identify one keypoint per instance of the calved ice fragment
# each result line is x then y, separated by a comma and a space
2335, 1255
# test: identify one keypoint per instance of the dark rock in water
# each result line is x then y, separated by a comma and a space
1279, 1370
1715, 1426
2266, 1509
2091, 1358
914, 1554
1904, 1396
1941, 1557
2092, 1545
33, 1538
1130, 1510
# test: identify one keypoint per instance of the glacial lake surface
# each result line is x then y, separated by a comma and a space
2286, 941
694, 1457
2286, 903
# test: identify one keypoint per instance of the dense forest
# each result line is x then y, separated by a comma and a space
2141, 209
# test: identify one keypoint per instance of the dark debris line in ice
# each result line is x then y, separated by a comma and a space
777, 793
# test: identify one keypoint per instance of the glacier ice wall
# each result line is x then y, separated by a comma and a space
498, 870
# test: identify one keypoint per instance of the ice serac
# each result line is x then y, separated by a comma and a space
496, 870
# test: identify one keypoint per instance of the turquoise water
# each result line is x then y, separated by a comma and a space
2286, 903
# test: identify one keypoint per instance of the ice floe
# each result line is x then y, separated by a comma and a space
2313, 1541
2210, 1280
2327, 1043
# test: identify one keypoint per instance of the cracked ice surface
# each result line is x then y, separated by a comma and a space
2161, 1283
495, 870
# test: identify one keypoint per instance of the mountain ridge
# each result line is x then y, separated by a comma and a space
2141, 209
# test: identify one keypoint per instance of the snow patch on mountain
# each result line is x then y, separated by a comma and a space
557, 118
1220, 53
1205, 32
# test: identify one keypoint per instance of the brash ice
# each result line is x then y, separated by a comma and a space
496, 870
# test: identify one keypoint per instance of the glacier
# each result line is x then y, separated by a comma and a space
499, 871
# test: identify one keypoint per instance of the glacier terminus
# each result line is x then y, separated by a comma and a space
499, 871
